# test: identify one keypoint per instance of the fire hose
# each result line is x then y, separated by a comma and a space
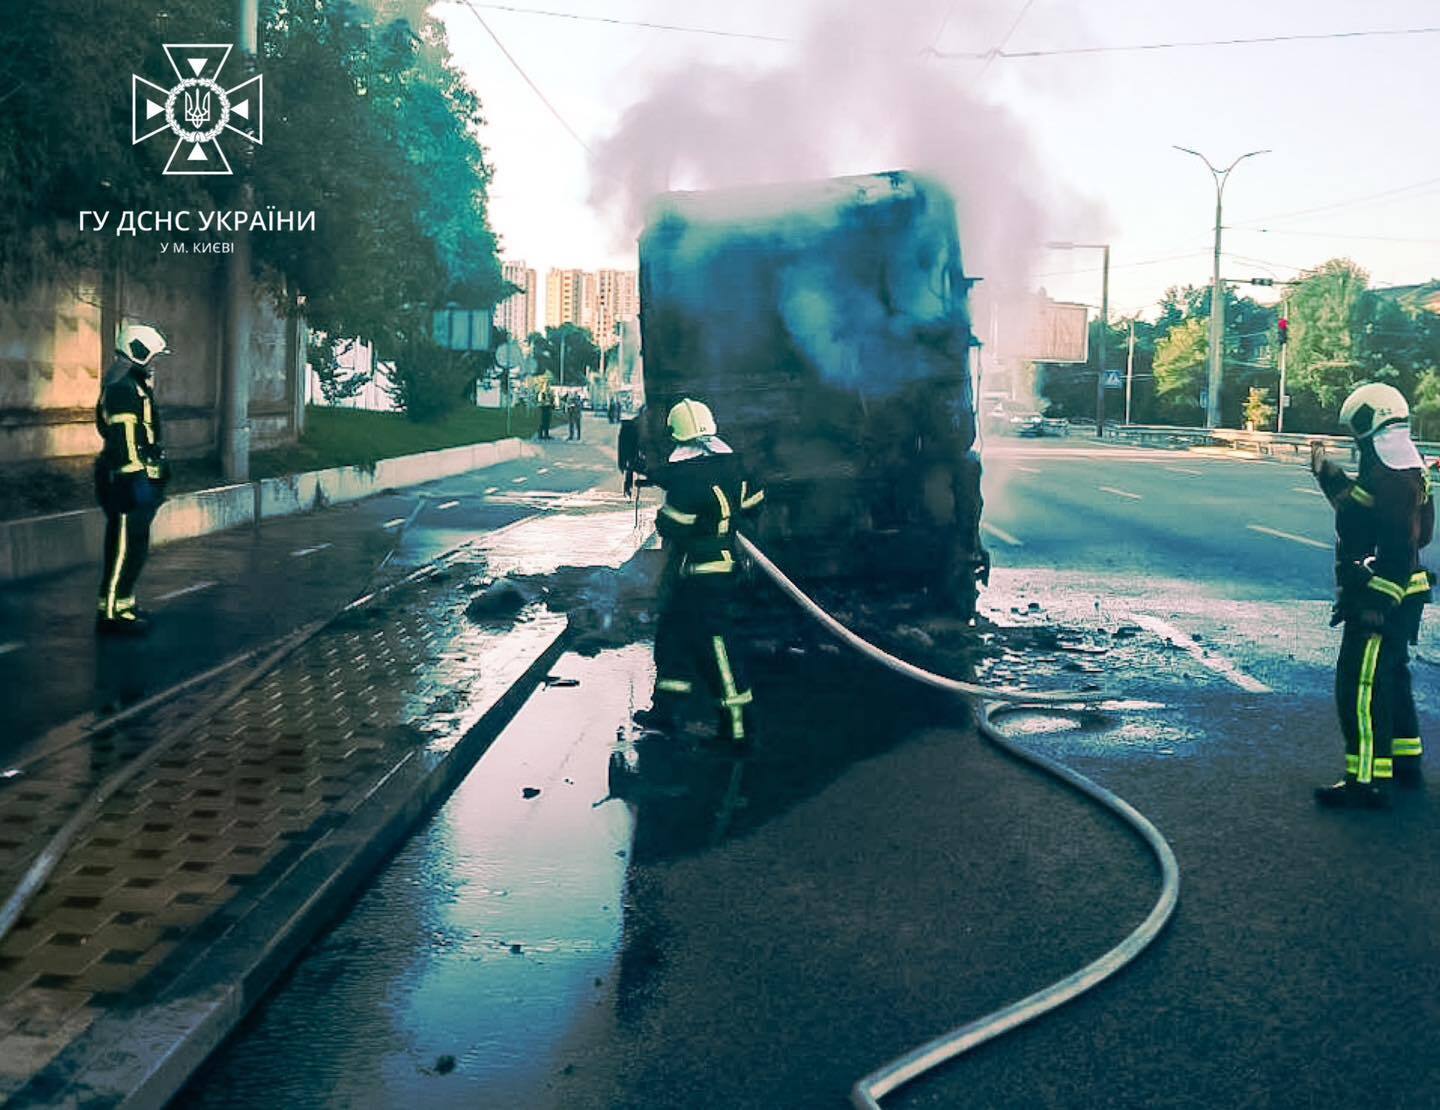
990, 703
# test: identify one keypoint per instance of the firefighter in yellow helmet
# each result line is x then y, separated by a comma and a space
1383, 518
130, 474
707, 496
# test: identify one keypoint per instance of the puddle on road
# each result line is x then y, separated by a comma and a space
485, 941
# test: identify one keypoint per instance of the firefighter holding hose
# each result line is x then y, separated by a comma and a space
707, 497
130, 474
1383, 519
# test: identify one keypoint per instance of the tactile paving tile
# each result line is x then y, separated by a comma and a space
259, 778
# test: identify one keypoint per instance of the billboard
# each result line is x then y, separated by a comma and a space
1043, 330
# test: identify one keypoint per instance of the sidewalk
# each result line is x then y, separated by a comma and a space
174, 911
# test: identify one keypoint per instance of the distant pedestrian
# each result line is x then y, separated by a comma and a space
613, 410
130, 475
546, 400
572, 412
1383, 519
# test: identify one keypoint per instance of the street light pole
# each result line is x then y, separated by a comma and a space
1217, 298
1280, 405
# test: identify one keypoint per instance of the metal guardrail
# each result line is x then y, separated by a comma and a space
1294, 445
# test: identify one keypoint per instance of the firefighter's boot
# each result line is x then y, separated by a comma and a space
127, 622
1351, 794
1408, 775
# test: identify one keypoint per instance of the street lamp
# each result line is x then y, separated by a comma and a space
1104, 326
1217, 301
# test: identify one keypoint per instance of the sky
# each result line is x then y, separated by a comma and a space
1069, 147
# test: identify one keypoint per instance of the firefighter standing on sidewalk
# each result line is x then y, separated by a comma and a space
130, 474
1383, 519
706, 497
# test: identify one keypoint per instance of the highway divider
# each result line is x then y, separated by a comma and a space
44, 544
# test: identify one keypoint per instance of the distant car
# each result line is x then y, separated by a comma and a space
1029, 424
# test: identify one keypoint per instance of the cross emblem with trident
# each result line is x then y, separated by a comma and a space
197, 109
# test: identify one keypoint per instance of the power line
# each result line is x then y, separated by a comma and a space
526, 77
1429, 183
999, 50
1132, 47
968, 55
1334, 235
645, 24
1127, 265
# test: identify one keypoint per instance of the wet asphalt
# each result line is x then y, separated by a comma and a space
699, 930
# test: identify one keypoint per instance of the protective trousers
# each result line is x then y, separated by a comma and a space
695, 639
1374, 698
127, 543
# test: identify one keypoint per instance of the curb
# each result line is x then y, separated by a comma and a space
43, 544
144, 1057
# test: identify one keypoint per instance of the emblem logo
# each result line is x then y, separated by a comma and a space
197, 109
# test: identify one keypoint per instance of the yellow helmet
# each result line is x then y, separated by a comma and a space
691, 420
1371, 407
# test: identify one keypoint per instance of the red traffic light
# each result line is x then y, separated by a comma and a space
1283, 327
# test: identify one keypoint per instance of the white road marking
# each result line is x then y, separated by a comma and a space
399, 520
1306, 489
300, 553
491, 489
195, 589
1026, 469
1208, 659
1185, 470
13, 645
1306, 540
1000, 534
543, 470
1120, 493
447, 504
517, 481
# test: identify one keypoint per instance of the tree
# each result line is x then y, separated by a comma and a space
1425, 407
1259, 412
1327, 317
1181, 361
581, 353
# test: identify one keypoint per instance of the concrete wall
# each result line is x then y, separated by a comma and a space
42, 545
54, 344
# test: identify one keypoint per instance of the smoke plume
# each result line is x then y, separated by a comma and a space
861, 95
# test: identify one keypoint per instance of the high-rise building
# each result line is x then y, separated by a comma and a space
516, 314
564, 297
617, 298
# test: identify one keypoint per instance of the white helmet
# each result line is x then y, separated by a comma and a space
1371, 407
140, 343
691, 420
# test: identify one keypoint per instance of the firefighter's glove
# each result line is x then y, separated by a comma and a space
982, 567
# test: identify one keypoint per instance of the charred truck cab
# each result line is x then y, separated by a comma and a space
827, 326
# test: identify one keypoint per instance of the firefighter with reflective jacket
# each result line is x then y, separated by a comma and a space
1383, 518
130, 474
706, 498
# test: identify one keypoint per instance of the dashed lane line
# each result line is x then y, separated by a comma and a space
1185, 470
1207, 659
543, 470
1121, 493
492, 489
301, 552
1306, 489
399, 520
13, 645
1026, 469
446, 505
1000, 534
1306, 540
517, 481
195, 589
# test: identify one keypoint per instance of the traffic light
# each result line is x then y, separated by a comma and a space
1282, 327
1262, 281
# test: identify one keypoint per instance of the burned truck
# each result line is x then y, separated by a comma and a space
826, 325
